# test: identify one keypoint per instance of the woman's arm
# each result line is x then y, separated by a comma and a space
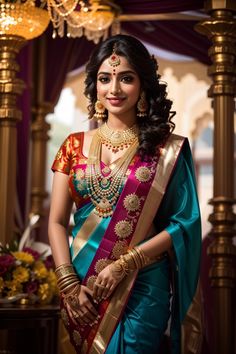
61, 204
60, 209
156, 245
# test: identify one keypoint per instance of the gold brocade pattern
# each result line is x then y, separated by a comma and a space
77, 338
65, 317
132, 202
90, 282
80, 173
143, 174
151, 205
191, 329
69, 154
123, 229
119, 248
101, 264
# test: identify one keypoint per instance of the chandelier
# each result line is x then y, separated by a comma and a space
90, 18
22, 18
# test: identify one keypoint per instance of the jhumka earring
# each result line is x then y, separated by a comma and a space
142, 106
99, 111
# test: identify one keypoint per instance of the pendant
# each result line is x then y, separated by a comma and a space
105, 182
104, 208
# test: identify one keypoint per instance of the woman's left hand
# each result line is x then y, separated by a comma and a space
105, 284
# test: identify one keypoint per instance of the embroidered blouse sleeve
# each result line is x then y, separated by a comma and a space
62, 162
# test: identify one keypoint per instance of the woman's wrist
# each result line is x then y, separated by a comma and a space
67, 279
133, 260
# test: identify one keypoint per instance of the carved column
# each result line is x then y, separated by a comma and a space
40, 130
220, 28
10, 88
40, 137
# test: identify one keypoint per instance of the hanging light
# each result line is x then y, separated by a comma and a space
23, 19
89, 18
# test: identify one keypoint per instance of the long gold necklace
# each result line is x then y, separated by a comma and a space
104, 188
117, 140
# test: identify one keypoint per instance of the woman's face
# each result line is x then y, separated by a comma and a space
118, 87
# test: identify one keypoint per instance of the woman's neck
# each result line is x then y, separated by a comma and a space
117, 123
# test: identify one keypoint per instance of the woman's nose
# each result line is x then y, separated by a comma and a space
115, 87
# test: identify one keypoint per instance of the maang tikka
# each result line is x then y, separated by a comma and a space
114, 59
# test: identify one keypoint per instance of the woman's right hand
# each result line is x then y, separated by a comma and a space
80, 306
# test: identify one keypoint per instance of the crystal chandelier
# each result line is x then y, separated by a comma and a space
23, 19
91, 18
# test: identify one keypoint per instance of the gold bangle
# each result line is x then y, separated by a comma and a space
66, 288
64, 269
67, 282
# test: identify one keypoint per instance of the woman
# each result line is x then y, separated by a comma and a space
134, 259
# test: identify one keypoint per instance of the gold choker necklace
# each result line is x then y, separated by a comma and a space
117, 140
104, 187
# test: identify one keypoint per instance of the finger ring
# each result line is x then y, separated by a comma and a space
76, 315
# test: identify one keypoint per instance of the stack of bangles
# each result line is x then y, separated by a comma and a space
68, 283
134, 259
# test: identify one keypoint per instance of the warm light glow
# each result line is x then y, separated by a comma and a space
92, 19
23, 19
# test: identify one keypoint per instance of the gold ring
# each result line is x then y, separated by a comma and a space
101, 286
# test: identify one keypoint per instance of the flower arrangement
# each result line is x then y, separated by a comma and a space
27, 276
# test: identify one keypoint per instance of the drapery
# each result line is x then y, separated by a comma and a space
62, 56
158, 6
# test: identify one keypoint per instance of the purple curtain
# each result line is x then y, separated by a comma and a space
160, 6
62, 56
174, 36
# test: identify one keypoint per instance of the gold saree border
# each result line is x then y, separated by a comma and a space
166, 163
192, 326
84, 233
112, 314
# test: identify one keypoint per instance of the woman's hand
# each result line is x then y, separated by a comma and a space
80, 306
105, 284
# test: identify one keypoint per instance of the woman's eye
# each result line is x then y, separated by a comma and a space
127, 79
104, 79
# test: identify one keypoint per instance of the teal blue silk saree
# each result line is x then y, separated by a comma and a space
161, 297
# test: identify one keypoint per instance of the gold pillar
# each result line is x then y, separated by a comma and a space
39, 130
40, 137
220, 28
10, 88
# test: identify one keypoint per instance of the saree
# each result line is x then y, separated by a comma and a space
157, 195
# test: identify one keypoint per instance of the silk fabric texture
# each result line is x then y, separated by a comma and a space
162, 291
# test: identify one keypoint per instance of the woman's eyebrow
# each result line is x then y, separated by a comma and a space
119, 73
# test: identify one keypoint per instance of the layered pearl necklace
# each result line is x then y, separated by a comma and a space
104, 188
117, 140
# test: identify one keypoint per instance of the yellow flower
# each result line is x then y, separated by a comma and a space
52, 281
40, 270
45, 293
23, 257
14, 287
21, 274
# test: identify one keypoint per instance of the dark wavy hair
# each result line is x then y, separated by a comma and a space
156, 127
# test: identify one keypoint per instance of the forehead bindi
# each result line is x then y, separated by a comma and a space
124, 66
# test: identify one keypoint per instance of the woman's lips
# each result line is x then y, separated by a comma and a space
115, 101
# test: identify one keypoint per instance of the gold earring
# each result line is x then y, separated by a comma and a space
99, 111
142, 106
